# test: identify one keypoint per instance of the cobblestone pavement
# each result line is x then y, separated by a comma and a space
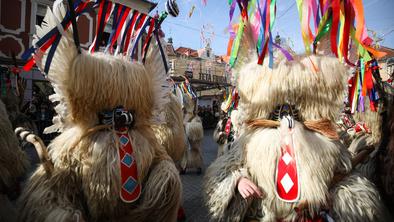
192, 183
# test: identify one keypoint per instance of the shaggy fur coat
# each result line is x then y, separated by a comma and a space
385, 161
220, 137
171, 134
85, 180
18, 118
13, 164
192, 158
378, 166
315, 85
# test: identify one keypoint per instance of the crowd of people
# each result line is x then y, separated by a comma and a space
209, 114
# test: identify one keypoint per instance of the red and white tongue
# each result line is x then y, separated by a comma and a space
287, 185
131, 187
228, 127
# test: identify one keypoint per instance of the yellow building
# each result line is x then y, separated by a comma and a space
207, 72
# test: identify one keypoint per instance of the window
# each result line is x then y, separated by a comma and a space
171, 65
40, 14
190, 67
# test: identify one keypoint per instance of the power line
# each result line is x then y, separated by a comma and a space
387, 33
194, 29
284, 13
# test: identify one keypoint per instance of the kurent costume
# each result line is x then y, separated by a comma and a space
290, 149
171, 134
222, 135
385, 160
13, 164
372, 133
107, 164
227, 127
194, 136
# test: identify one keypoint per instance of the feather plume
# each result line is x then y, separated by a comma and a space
161, 88
61, 63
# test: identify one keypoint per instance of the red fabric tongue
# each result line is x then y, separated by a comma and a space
287, 174
228, 126
131, 188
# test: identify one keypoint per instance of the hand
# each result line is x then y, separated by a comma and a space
248, 189
77, 217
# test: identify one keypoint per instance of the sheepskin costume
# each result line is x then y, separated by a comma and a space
85, 182
13, 164
366, 142
324, 185
375, 149
171, 134
18, 118
220, 136
192, 158
385, 160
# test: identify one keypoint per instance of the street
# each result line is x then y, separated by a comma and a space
193, 202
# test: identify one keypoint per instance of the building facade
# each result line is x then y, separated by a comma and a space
207, 72
18, 20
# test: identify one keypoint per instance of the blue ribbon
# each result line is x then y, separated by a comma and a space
51, 53
54, 31
271, 51
128, 26
161, 50
142, 30
116, 22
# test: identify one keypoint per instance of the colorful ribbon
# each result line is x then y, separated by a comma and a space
362, 85
105, 10
52, 38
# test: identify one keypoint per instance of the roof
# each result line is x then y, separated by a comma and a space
389, 52
144, 6
187, 51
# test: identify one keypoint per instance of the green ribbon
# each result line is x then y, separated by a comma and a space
362, 52
237, 42
323, 29
362, 69
272, 13
299, 8
251, 6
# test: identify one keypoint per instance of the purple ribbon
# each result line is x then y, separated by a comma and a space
285, 52
361, 104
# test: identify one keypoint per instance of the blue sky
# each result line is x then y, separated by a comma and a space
379, 16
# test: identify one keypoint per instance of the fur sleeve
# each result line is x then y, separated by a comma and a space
355, 198
344, 164
47, 198
221, 180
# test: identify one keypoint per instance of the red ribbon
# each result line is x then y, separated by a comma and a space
262, 55
120, 25
352, 89
346, 31
128, 35
149, 35
100, 27
31, 62
335, 23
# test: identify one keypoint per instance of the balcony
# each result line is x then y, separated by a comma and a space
212, 78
